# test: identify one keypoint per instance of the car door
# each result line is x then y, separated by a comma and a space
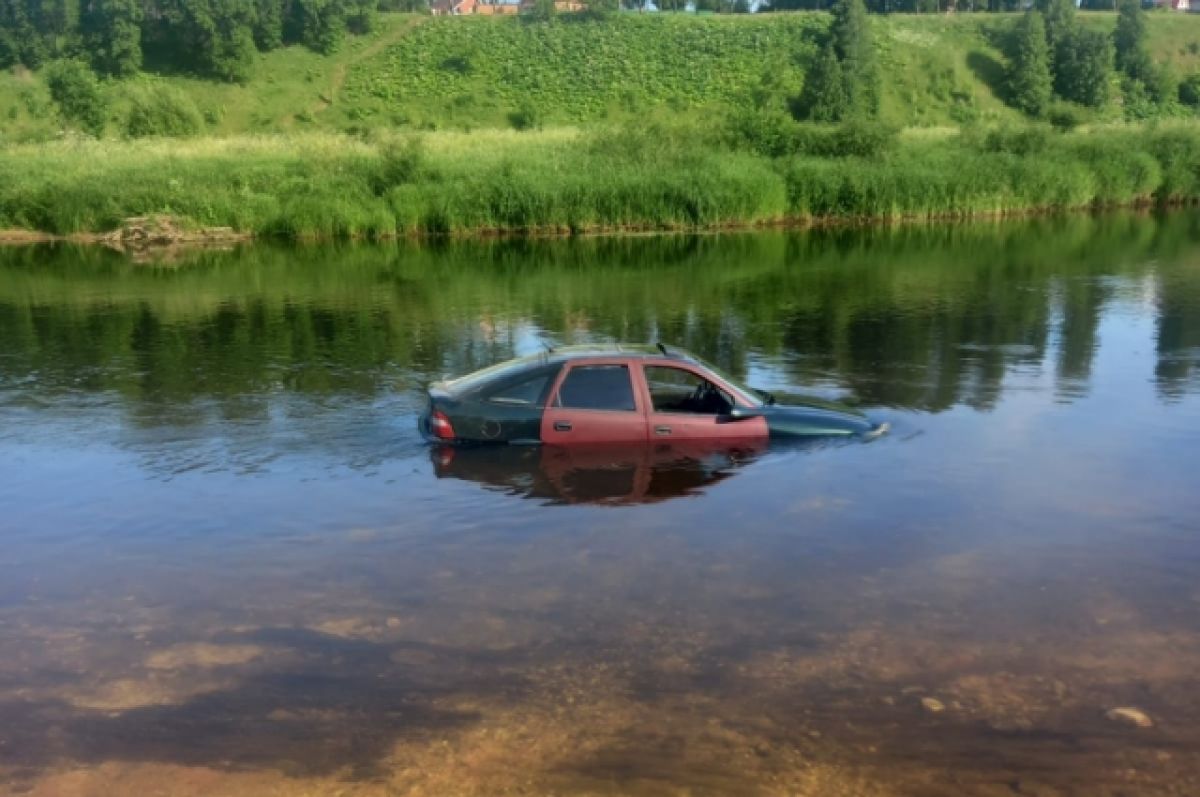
595, 402
680, 408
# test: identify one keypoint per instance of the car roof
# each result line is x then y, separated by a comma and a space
559, 355
636, 350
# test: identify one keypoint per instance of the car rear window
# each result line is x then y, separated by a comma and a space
597, 387
496, 373
522, 393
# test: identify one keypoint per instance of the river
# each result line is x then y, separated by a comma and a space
231, 567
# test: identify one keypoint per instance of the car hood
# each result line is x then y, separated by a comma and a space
793, 416
797, 401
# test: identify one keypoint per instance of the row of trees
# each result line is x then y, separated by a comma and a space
1052, 55
216, 38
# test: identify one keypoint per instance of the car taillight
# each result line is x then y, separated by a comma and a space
439, 424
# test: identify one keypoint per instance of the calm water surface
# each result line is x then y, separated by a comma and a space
230, 567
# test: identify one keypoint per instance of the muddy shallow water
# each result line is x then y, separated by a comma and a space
229, 567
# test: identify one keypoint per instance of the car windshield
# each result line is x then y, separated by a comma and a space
751, 395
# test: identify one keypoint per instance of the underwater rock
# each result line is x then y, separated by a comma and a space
1130, 716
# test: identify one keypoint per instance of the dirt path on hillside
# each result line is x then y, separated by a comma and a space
341, 71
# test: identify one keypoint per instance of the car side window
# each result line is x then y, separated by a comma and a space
525, 393
597, 387
680, 390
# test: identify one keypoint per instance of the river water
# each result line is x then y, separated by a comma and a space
229, 566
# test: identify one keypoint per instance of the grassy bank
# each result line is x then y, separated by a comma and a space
332, 186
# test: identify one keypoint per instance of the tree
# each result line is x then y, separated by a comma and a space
112, 33
1059, 17
58, 19
268, 25
1030, 82
20, 42
824, 96
321, 24
361, 16
76, 92
1083, 67
851, 34
215, 36
1129, 43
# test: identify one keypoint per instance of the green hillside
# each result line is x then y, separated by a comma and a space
465, 73
433, 126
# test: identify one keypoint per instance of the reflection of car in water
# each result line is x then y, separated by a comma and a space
620, 394
605, 474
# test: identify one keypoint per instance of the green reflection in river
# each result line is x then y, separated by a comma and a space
912, 317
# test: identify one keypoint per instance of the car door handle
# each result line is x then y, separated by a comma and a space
662, 430
562, 426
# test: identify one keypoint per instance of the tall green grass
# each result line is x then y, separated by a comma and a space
337, 187
1002, 173
328, 186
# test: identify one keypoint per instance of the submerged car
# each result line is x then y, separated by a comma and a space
620, 394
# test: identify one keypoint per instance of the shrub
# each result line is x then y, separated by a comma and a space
1189, 90
861, 139
1024, 140
1064, 116
603, 9
768, 132
159, 110
76, 91
402, 162
525, 117
1137, 102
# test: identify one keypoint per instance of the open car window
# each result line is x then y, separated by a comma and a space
680, 390
597, 387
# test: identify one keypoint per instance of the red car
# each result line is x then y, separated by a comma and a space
620, 394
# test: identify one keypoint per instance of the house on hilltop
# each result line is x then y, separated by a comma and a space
497, 8
561, 6
452, 8
494, 8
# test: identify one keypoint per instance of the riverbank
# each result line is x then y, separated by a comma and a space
563, 180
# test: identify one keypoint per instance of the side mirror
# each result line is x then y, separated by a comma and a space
745, 413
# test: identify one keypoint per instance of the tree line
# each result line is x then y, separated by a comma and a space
213, 38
